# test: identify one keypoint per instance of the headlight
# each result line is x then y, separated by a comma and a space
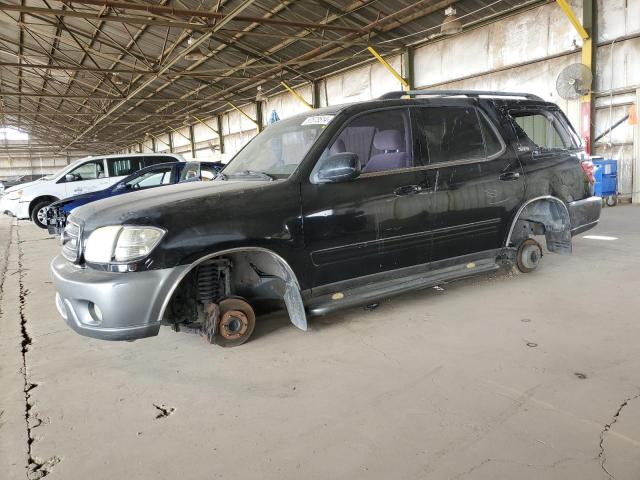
121, 244
14, 195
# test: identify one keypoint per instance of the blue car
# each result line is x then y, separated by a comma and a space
150, 177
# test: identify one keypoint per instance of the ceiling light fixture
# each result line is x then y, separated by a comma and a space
452, 23
260, 96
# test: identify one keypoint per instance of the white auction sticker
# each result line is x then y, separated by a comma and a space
318, 120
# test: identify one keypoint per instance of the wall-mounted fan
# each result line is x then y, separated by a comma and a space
574, 81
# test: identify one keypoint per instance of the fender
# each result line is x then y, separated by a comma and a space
292, 297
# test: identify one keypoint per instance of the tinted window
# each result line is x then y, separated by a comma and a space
381, 140
451, 133
119, 167
541, 130
154, 178
87, 171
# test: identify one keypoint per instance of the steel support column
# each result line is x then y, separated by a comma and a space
220, 133
192, 142
259, 118
407, 67
635, 180
590, 23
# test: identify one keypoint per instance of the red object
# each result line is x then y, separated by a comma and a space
585, 126
589, 170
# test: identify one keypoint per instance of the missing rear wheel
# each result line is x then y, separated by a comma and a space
528, 256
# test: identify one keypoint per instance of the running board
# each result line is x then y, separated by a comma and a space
373, 292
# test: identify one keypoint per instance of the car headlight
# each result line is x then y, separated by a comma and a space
14, 195
121, 244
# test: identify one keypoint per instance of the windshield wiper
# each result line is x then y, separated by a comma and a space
253, 173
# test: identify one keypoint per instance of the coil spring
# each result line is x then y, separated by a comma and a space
213, 280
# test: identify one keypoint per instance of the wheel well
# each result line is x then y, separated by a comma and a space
546, 216
253, 273
39, 199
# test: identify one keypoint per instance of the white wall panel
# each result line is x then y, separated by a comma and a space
287, 105
618, 65
180, 137
204, 132
617, 18
362, 83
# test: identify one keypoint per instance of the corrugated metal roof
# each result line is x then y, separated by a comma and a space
72, 72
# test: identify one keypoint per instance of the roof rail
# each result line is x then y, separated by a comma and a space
454, 93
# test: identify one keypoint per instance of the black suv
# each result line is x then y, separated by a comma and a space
333, 208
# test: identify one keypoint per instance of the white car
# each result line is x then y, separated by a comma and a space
90, 174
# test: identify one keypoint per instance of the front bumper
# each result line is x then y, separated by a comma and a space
56, 220
15, 208
584, 214
131, 304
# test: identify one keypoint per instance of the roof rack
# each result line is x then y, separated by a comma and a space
454, 93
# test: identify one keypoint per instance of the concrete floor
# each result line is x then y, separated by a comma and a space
511, 377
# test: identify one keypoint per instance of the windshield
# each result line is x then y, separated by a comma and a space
279, 149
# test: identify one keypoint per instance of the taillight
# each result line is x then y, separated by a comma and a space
589, 170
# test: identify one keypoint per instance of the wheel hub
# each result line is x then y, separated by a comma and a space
531, 256
233, 324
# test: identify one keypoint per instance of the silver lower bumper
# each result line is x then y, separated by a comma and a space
112, 306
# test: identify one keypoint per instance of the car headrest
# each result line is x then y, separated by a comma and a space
338, 147
387, 140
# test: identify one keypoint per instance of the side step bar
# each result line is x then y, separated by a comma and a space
372, 292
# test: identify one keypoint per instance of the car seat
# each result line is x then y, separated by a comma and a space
390, 141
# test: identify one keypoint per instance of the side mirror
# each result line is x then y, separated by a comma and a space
69, 178
121, 186
340, 167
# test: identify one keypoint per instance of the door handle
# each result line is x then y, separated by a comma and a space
407, 190
510, 176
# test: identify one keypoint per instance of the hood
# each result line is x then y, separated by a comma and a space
68, 204
22, 186
161, 207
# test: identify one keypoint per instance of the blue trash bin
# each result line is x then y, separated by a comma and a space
606, 175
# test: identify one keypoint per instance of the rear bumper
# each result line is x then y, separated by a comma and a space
130, 304
584, 214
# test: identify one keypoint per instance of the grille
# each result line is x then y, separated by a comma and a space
71, 242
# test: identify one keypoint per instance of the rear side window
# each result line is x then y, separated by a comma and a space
451, 133
119, 167
381, 140
542, 130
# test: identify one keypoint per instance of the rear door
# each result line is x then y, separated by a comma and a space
477, 181
377, 222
